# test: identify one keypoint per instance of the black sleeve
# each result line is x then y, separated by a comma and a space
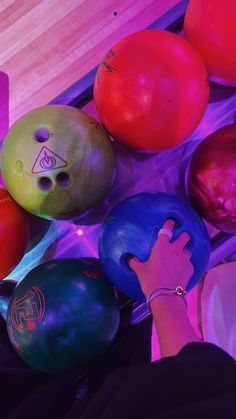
200, 382
29, 394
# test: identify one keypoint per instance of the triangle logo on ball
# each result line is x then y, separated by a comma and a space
47, 160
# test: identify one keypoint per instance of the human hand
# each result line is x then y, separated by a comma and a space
169, 264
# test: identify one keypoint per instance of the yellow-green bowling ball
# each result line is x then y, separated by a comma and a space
57, 162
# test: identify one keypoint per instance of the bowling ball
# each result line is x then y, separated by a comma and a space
151, 90
14, 233
62, 314
6, 288
131, 229
211, 179
9, 358
68, 166
210, 27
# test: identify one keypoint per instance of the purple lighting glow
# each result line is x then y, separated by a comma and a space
4, 104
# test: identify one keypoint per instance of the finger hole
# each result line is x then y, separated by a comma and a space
178, 221
169, 224
125, 262
128, 258
183, 239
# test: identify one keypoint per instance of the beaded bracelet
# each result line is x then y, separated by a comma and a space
165, 291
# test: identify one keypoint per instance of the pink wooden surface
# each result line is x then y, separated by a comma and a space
47, 45
4, 104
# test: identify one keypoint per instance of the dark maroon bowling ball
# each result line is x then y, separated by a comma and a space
211, 179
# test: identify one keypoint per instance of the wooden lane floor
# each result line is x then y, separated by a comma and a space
47, 45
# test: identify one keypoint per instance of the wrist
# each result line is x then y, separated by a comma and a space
162, 291
172, 301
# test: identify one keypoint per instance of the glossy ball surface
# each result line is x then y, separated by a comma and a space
151, 90
57, 162
131, 229
211, 179
63, 314
14, 233
210, 27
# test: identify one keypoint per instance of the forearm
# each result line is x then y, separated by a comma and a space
173, 327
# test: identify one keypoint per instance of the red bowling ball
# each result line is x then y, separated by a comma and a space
211, 179
210, 26
151, 90
14, 233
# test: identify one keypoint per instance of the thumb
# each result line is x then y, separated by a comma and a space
134, 263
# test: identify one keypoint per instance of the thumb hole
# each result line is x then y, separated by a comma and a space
133, 262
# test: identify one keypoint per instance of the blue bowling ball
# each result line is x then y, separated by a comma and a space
131, 230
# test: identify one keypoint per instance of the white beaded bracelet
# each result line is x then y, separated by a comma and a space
179, 291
